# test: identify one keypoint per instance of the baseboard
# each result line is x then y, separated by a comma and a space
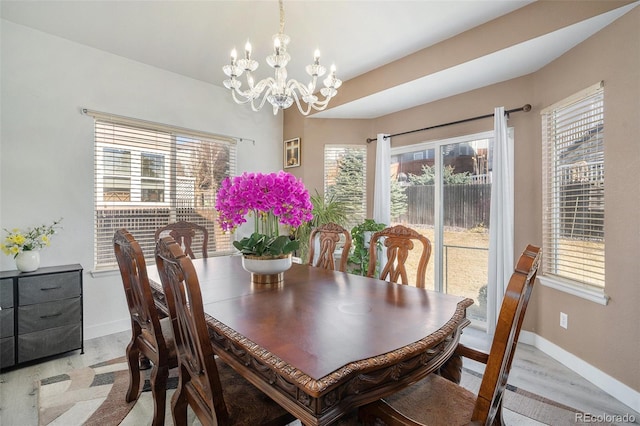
107, 328
608, 384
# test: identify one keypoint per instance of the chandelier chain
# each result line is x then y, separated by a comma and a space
281, 2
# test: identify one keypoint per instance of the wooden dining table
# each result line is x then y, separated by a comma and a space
322, 343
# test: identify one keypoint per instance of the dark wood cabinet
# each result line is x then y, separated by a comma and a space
41, 314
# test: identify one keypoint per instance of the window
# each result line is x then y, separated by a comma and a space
573, 190
117, 175
446, 197
148, 175
345, 171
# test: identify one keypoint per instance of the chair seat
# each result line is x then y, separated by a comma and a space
434, 401
246, 404
167, 333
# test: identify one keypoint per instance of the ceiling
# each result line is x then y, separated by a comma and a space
194, 38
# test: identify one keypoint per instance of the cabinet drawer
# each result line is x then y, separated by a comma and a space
48, 315
49, 342
6, 293
6, 322
7, 354
46, 288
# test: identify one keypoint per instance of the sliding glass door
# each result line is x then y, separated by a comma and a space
443, 190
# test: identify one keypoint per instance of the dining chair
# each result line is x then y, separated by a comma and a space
213, 390
184, 233
437, 401
328, 237
151, 337
399, 241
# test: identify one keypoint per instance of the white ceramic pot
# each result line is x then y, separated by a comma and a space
266, 266
266, 270
28, 261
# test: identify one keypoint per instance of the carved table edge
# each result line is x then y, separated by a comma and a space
316, 387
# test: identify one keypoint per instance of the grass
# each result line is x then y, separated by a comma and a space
466, 255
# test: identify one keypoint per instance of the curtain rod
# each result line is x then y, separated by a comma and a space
525, 108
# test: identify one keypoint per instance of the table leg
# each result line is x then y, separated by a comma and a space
452, 369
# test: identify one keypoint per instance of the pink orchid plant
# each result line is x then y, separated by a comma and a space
272, 199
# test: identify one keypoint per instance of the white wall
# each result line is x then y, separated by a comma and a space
46, 151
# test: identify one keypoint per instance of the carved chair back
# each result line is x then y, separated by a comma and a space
184, 233
443, 402
200, 385
328, 237
148, 337
505, 340
399, 241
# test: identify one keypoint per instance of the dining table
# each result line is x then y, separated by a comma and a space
322, 343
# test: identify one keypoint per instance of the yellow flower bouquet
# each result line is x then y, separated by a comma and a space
18, 241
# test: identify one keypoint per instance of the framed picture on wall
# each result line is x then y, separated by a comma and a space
292, 153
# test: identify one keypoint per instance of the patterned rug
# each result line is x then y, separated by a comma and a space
94, 395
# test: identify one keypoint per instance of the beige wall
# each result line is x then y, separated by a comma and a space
607, 337
315, 134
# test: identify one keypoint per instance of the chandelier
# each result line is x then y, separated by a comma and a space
280, 92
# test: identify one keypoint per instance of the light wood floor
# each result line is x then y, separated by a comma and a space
532, 370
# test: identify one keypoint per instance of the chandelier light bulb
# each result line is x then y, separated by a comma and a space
279, 91
276, 45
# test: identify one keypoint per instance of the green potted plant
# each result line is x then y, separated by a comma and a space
325, 210
361, 235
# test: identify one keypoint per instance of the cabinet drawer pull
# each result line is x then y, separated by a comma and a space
50, 288
51, 316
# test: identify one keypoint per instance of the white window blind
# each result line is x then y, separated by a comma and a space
148, 175
345, 171
573, 189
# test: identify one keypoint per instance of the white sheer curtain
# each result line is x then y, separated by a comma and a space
382, 186
501, 218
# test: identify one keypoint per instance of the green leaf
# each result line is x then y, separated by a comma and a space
291, 246
277, 244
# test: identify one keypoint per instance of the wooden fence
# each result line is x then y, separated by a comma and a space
143, 222
465, 206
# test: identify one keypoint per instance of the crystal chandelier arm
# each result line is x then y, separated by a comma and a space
262, 102
309, 98
300, 108
252, 93
250, 99
242, 100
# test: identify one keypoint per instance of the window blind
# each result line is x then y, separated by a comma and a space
573, 189
345, 171
148, 175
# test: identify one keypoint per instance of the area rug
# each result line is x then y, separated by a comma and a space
94, 396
